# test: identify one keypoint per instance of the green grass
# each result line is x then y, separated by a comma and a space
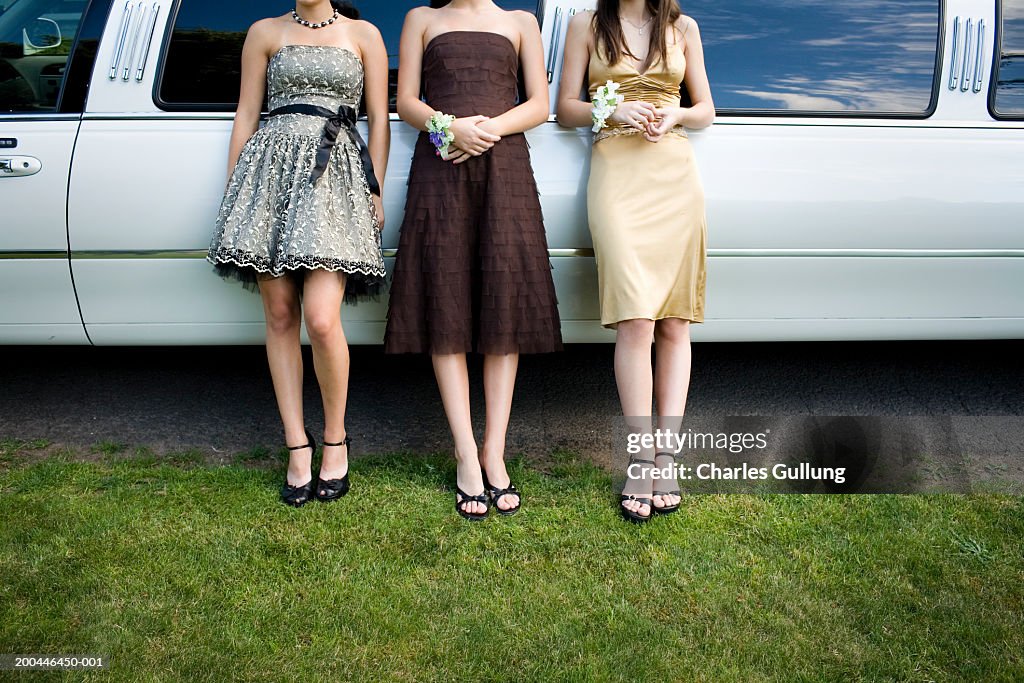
179, 570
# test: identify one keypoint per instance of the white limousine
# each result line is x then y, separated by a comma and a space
865, 175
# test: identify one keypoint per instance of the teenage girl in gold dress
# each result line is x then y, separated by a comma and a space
646, 207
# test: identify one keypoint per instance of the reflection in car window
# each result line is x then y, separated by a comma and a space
820, 55
202, 68
1009, 80
35, 42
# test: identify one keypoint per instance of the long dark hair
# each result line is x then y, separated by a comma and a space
610, 38
345, 9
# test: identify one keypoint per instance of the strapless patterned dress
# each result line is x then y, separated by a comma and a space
274, 219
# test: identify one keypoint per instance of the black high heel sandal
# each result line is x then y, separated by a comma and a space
629, 515
466, 498
328, 490
668, 509
297, 496
495, 493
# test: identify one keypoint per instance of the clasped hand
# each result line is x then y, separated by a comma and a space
472, 138
653, 122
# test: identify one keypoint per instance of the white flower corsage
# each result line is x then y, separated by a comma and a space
441, 135
605, 101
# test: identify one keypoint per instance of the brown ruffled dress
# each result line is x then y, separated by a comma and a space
472, 271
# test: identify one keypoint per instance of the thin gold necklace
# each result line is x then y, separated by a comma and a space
641, 28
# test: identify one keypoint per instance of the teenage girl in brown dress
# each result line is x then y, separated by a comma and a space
472, 272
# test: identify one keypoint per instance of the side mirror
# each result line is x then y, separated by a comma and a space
40, 36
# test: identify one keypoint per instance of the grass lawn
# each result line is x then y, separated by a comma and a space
179, 569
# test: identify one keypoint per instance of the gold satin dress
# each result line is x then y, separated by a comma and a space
646, 204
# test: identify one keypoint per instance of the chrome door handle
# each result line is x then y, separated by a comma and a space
146, 46
14, 167
979, 74
965, 76
555, 35
954, 72
133, 41
122, 36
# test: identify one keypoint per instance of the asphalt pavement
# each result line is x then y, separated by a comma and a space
220, 399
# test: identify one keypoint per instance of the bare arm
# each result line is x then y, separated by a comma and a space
469, 137
375, 88
534, 111
701, 113
255, 56
572, 111
411, 108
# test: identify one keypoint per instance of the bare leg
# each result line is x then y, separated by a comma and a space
322, 307
671, 384
284, 353
499, 384
635, 380
453, 382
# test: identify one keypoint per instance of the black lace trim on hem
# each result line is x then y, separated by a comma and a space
365, 281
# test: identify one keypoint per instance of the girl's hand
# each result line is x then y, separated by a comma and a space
470, 138
636, 114
667, 119
378, 208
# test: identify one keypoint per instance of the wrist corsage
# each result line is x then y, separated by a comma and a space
440, 128
605, 101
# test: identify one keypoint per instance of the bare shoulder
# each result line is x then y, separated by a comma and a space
364, 30
265, 28
686, 24
582, 19
419, 16
526, 21
581, 23
264, 33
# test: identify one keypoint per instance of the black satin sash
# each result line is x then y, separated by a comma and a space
345, 117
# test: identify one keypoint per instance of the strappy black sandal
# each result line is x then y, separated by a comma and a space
329, 490
466, 498
629, 515
667, 510
495, 493
297, 496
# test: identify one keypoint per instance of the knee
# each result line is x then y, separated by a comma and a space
282, 316
636, 332
673, 331
323, 327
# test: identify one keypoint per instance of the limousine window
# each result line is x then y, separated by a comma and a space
201, 69
821, 56
1009, 80
35, 42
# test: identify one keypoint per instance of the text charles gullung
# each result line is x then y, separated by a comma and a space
666, 440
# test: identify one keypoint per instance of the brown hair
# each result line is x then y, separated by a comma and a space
608, 29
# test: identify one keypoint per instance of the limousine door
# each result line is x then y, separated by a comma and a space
857, 185
39, 119
146, 185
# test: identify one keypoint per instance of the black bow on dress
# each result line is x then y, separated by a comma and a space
345, 117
